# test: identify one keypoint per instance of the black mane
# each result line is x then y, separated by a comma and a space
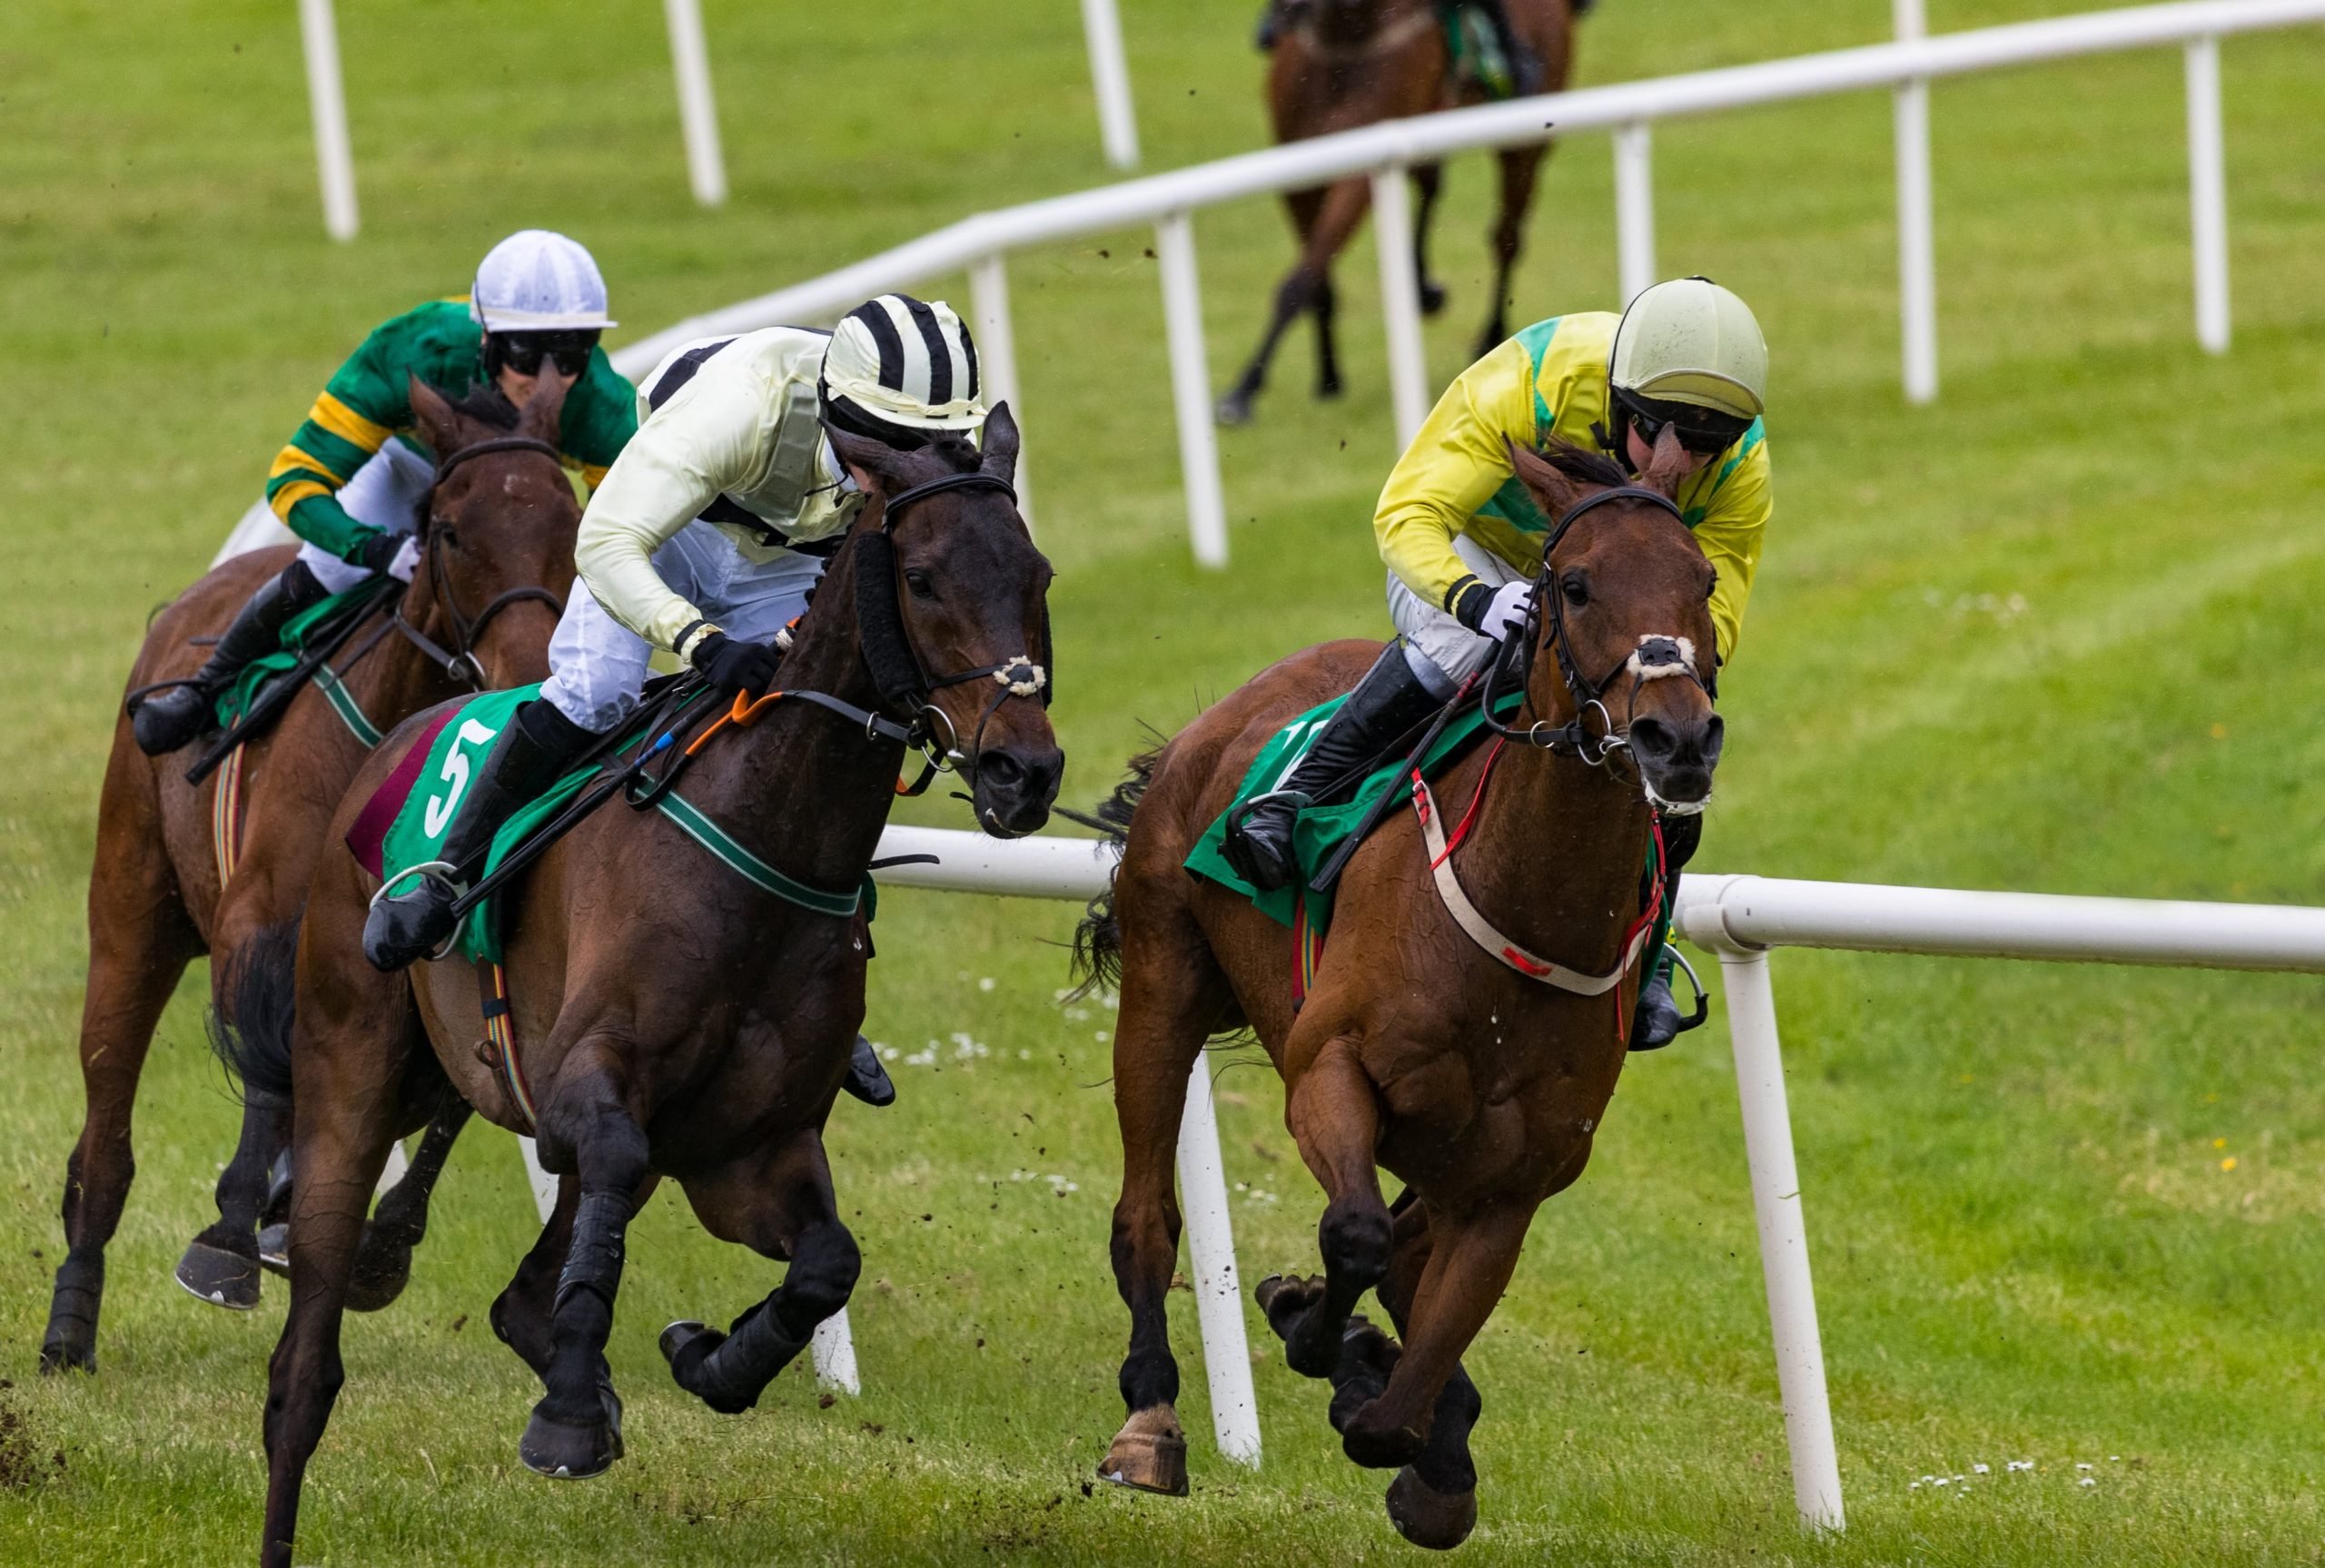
485, 403
1582, 463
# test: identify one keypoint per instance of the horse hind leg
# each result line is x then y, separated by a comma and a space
1328, 359
780, 1207
139, 945
522, 1313
220, 1266
1519, 167
383, 1266
1335, 1117
1429, 179
1337, 215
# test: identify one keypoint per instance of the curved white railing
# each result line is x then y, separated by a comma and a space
1385, 151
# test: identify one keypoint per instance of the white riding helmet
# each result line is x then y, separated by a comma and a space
1689, 340
907, 362
538, 282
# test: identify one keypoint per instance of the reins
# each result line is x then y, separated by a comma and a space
460, 662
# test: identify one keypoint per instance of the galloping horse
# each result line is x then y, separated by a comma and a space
671, 1019
180, 872
1342, 64
1418, 1048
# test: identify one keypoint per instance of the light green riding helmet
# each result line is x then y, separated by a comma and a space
1689, 340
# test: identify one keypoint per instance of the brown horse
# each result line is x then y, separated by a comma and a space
1417, 1048
672, 1018
499, 536
1342, 64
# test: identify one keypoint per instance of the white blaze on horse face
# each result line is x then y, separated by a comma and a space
455, 774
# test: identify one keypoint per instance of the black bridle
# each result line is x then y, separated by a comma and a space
1574, 738
458, 662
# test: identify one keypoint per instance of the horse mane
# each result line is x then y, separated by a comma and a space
955, 449
1591, 467
485, 403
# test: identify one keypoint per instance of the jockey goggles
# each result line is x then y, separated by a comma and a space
1702, 431
524, 351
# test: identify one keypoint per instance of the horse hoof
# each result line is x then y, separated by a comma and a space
1440, 1521
685, 1343
569, 1453
1374, 1449
1432, 298
1234, 409
1149, 1455
274, 1248
223, 1279
1327, 388
378, 1278
69, 1353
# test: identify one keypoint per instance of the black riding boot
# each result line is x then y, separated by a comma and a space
1264, 37
1659, 1020
1527, 71
169, 718
866, 1079
533, 753
1386, 702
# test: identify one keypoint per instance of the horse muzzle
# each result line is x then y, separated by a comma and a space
1675, 759
1013, 786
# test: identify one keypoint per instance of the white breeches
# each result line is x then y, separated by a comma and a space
387, 492
1440, 651
596, 664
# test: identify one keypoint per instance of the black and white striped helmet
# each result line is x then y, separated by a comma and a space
906, 361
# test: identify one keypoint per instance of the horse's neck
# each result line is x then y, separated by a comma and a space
804, 788
1554, 856
395, 678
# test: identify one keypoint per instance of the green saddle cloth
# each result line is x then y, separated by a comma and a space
1476, 52
312, 630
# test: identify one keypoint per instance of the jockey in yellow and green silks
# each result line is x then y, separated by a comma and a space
1462, 538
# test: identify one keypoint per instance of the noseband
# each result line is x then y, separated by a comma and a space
1655, 659
460, 662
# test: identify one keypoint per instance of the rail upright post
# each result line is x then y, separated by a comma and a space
1392, 233
1916, 229
997, 356
327, 102
1175, 247
1635, 208
1784, 1234
1219, 1293
1102, 29
697, 114
2208, 194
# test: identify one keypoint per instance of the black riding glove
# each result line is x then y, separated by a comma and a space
735, 667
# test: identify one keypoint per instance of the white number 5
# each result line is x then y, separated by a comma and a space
455, 774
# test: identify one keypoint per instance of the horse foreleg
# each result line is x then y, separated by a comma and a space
1334, 1115
522, 1313
1428, 178
139, 945
1336, 216
1433, 1500
1328, 359
779, 1205
587, 1126
1518, 166
398, 1225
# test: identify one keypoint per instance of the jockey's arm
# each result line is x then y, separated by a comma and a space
360, 408
673, 467
1734, 522
1457, 460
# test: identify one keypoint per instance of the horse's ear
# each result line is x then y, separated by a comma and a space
440, 423
545, 410
1000, 441
1553, 489
1669, 466
875, 465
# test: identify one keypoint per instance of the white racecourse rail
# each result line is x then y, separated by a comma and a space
1385, 151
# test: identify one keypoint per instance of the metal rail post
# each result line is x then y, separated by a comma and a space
1219, 1294
997, 356
2208, 194
1102, 27
1784, 1235
327, 102
1175, 247
698, 113
1916, 229
1635, 208
1392, 233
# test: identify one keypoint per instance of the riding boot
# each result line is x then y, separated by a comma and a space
533, 753
1388, 702
1264, 37
1658, 1020
867, 1079
1527, 71
167, 719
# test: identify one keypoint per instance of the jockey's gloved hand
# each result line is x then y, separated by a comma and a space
1498, 614
407, 559
734, 667
380, 551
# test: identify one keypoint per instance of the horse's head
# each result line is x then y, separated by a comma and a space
952, 609
497, 535
1625, 627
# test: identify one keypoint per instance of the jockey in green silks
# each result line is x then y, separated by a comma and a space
355, 474
1462, 538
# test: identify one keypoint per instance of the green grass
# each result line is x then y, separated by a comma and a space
2055, 633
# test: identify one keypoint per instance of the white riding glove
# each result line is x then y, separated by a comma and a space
1505, 613
405, 561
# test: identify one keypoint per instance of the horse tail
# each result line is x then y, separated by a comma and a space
255, 1047
1098, 939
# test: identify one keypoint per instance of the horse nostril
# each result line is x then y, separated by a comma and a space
1652, 739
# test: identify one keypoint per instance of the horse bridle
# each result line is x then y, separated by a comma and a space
1657, 657
460, 662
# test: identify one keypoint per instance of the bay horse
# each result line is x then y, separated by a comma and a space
1337, 65
670, 1018
498, 537
1417, 1048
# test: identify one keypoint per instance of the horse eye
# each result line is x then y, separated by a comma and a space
918, 582
1576, 589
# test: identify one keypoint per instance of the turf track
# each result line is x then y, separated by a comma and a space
2056, 632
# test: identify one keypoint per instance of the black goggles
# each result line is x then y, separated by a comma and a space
524, 351
1702, 431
